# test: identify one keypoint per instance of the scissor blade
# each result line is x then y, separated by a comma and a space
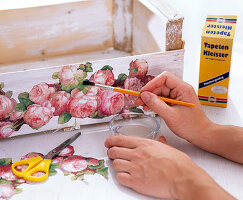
59, 148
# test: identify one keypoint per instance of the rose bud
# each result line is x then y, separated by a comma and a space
5, 129
105, 77
139, 68
70, 75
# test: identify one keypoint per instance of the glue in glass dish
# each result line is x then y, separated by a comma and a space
134, 124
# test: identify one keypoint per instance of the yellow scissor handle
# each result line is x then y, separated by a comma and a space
32, 162
43, 166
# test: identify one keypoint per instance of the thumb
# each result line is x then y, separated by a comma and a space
155, 103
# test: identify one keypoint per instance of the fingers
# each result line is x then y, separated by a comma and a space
123, 165
122, 141
164, 79
139, 102
161, 85
156, 104
125, 179
146, 108
119, 153
120, 147
162, 91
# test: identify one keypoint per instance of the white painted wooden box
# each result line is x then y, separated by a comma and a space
36, 42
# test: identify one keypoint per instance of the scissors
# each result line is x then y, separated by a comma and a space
39, 164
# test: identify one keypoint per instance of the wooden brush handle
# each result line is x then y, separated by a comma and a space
131, 92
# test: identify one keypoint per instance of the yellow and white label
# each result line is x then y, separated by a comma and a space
216, 50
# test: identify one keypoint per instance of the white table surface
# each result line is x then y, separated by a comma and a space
228, 174
195, 13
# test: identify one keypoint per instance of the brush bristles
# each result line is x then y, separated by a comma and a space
87, 82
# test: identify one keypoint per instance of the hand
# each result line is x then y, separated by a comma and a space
147, 166
189, 123
159, 170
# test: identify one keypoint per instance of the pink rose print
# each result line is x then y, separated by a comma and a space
139, 68
69, 164
124, 111
93, 91
83, 106
27, 156
57, 160
6, 106
6, 173
16, 115
93, 161
36, 174
70, 75
60, 101
134, 84
76, 93
73, 164
68, 151
31, 155
6, 190
105, 77
5, 129
47, 104
147, 78
128, 103
67, 97
37, 116
111, 102
41, 93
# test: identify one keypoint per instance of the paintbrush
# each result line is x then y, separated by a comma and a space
133, 93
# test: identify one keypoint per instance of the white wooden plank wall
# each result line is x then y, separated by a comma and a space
49, 31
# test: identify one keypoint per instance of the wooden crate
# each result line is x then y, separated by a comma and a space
36, 42
46, 36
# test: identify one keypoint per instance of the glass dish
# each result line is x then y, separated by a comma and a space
134, 124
